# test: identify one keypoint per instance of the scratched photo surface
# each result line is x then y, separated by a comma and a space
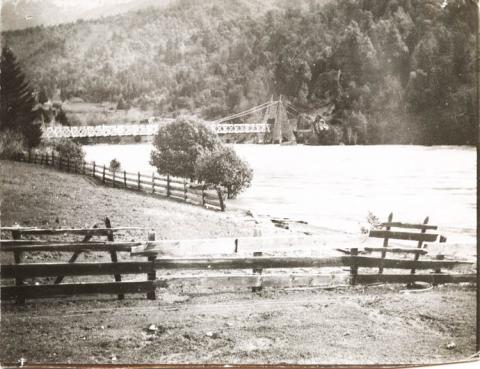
238, 181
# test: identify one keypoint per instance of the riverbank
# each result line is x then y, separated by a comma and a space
35, 196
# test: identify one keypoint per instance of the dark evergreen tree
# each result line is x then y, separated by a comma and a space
42, 96
17, 101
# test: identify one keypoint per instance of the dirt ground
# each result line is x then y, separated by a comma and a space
346, 325
375, 324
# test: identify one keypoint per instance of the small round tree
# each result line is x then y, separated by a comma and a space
224, 167
115, 165
178, 145
68, 149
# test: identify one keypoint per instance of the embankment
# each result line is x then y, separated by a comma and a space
36, 196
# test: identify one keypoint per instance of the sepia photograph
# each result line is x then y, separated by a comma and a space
285, 182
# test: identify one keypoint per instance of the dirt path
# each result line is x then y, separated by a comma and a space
352, 325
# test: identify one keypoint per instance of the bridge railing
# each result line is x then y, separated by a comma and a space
180, 189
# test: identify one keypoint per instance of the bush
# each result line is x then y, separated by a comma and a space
224, 167
115, 165
11, 144
178, 145
68, 149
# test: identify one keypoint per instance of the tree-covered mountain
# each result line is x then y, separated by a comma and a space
398, 71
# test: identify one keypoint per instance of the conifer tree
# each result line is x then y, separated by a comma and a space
17, 101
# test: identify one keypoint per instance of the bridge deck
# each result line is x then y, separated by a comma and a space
143, 129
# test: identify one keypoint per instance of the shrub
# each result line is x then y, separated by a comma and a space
178, 145
11, 144
224, 167
115, 165
68, 149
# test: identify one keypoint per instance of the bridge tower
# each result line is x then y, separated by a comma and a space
280, 128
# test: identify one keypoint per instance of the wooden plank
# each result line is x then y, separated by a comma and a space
247, 281
257, 271
247, 263
176, 191
22, 242
409, 225
40, 291
76, 254
65, 269
151, 295
113, 254
419, 244
71, 246
227, 245
18, 256
81, 231
425, 237
385, 244
371, 262
406, 250
409, 278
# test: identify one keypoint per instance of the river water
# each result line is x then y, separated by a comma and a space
335, 187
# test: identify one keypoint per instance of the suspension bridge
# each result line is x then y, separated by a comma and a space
269, 119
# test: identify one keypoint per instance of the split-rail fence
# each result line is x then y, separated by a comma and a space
257, 254
180, 189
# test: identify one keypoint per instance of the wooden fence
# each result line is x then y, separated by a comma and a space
231, 254
165, 186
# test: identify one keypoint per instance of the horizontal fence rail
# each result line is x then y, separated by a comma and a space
176, 188
71, 289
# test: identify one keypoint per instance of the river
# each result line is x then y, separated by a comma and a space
335, 187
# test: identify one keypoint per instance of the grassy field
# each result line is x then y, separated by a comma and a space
376, 324
35, 196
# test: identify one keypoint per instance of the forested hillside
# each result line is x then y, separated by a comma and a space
398, 71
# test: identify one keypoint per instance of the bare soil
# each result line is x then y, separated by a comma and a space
374, 324
352, 325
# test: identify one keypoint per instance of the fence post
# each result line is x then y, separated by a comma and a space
93, 171
53, 159
220, 198
437, 270
153, 182
29, 156
203, 195
138, 183
419, 246
125, 178
385, 244
353, 266
185, 189
152, 275
257, 271
113, 179
83, 165
18, 255
168, 185
103, 175
35, 159
113, 254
